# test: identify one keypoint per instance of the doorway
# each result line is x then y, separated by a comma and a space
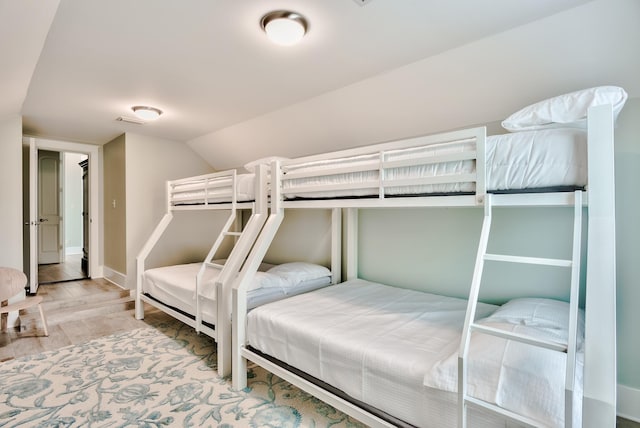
89, 214
62, 213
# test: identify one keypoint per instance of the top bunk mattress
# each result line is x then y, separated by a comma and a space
396, 350
543, 160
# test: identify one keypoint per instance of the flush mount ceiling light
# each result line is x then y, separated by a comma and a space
284, 27
146, 112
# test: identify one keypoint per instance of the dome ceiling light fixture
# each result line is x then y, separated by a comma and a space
284, 27
146, 112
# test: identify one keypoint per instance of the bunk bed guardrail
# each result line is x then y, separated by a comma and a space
394, 170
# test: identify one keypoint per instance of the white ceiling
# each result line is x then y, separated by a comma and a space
73, 67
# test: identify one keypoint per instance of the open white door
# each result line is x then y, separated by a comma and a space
33, 216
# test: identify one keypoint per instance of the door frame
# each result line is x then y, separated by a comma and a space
92, 151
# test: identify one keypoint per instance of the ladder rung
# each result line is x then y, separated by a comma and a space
504, 412
528, 260
555, 346
232, 233
215, 265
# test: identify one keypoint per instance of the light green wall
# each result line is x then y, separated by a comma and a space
433, 249
305, 235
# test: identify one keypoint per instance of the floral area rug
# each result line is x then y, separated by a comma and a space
150, 377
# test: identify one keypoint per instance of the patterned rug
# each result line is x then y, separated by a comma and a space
152, 378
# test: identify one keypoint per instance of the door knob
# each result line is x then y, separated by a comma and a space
43, 220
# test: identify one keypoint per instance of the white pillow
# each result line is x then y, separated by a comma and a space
296, 272
568, 110
266, 280
547, 314
253, 165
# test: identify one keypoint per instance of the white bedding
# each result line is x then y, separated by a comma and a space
245, 191
548, 158
381, 344
175, 286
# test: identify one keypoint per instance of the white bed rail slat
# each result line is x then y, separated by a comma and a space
528, 260
519, 419
548, 344
440, 179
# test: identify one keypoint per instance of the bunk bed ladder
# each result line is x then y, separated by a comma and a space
243, 243
232, 222
465, 400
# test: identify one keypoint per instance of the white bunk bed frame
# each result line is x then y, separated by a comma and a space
223, 185
599, 386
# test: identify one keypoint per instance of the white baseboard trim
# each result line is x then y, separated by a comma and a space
115, 277
99, 272
628, 399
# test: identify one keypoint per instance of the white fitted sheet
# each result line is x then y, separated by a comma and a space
377, 343
245, 191
549, 158
175, 286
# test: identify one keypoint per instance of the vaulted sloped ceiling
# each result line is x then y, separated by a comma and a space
363, 73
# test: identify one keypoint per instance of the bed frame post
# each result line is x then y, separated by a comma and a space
336, 245
260, 246
600, 378
481, 161
352, 243
235, 265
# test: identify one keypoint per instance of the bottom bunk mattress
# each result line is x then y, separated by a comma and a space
396, 350
175, 286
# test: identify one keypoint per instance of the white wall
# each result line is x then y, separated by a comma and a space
149, 163
11, 226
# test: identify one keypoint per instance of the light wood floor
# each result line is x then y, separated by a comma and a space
79, 311
76, 311
55, 272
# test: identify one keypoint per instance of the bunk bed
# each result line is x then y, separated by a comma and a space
394, 357
193, 292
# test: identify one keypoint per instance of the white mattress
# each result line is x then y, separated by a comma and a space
175, 286
549, 158
245, 191
379, 344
